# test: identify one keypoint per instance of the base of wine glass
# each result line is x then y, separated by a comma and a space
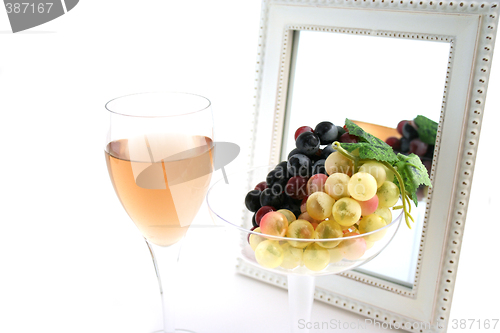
177, 330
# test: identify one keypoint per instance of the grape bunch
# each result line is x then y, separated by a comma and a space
410, 142
320, 194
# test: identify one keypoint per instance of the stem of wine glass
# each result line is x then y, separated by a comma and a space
300, 300
165, 260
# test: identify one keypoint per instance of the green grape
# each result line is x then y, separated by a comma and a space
328, 229
255, 240
362, 186
335, 255
336, 162
300, 229
376, 169
389, 175
336, 185
288, 214
269, 254
388, 194
371, 223
346, 212
385, 213
315, 257
292, 256
369, 244
319, 205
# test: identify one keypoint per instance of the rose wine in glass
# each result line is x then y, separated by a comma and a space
159, 154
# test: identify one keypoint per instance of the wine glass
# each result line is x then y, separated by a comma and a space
159, 154
298, 258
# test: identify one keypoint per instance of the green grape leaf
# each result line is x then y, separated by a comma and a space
369, 151
362, 135
426, 129
369, 146
413, 174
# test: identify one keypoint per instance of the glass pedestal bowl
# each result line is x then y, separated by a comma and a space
301, 260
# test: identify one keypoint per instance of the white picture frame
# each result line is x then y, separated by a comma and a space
470, 28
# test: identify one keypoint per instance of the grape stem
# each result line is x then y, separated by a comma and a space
405, 198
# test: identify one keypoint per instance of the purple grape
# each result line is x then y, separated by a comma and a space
299, 165
275, 175
348, 138
401, 124
405, 145
430, 151
254, 223
394, 142
326, 132
270, 198
340, 131
325, 152
319, 167
293, 152
418, 147
307, 143
252, 200
292, 205
409, 132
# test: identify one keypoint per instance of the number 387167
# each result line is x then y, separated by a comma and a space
26, 7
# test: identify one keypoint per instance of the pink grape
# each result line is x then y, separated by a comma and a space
303, 205
418, 147
274, 223
353, 249
369, 206
401, 124
394, 142
261, 212
261, 186
301, 130
307, 217
316, 183
296, 187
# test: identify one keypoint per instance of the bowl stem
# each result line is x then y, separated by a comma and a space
300, 301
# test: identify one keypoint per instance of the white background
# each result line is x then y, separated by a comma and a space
70, 258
